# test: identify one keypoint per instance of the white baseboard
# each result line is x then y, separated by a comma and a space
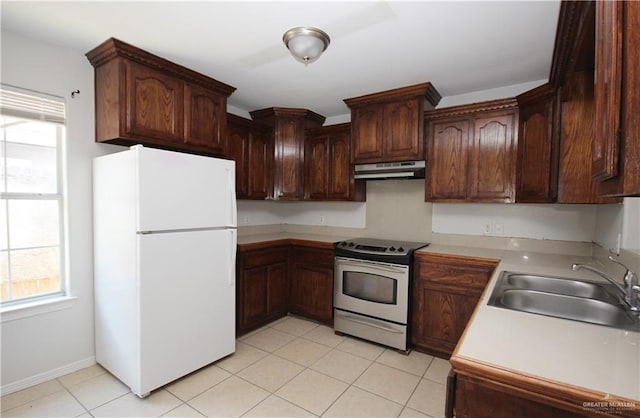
48, 375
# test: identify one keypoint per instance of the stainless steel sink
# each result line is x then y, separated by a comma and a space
558, 285
590, 302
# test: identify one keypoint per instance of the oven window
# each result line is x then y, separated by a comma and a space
370, 287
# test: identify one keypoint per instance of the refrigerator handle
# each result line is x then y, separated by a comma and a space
232, 256
232, 196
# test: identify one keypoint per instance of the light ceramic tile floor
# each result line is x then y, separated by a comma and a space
290, 368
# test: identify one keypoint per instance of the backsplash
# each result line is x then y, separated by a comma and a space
395, 209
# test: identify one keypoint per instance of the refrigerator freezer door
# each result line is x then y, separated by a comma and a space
184, 191
187, 303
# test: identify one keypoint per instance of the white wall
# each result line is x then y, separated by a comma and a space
554, 222
492, 94
336, 214
631, 224
35, 347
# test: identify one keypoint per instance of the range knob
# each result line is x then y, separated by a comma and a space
392, 249
351, 244
343, 244
401, 249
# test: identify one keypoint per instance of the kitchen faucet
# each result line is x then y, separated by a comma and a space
630, 288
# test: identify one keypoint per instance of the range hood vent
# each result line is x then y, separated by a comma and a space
394, 170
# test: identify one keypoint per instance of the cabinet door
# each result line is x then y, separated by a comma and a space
253, 291
536, 166
261, 288
154, 105
259, 171
367, 134
205, 119
443, 316
311, 283
277, 290
289, 159
446, 290
447, 160
477, 398
492, 174
402, 131
608, 89
311, 292
318, 166
340, 176
239, 152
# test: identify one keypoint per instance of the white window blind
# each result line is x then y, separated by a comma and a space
32, 244
33, 105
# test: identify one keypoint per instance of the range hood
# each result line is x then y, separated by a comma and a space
393, 170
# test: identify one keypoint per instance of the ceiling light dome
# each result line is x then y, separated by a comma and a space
306, 44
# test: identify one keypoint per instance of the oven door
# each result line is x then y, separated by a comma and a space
376, 289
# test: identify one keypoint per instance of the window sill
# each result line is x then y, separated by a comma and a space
25, 310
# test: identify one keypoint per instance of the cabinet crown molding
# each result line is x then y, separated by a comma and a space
404, 93
487, 106
331, 129
113, 48
538, 93
287, 112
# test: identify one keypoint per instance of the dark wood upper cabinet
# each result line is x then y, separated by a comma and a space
251, 147
608, 89
471, 152
289, 126
538, 141
328, 172
448, 157
387, 126
204, 119
616, 147
144, 99
492, 156
595, 65
155, 106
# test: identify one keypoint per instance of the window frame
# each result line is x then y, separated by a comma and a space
12, 308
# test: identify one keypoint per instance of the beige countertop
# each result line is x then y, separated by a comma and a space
277, 236
555, 350
560, 351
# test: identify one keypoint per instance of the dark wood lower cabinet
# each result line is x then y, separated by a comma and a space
261, 287
446, 290
479, 398
311, 283
280, 277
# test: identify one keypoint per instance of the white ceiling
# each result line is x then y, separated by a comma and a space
459, 46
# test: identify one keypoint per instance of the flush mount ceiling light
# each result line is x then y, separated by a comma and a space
306, 44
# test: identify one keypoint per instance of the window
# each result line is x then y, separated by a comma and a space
31, 210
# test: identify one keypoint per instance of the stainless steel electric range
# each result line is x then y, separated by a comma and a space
371, 289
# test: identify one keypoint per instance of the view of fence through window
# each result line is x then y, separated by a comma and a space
31, 208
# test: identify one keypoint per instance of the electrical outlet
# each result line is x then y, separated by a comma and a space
487, 228
498, 228
245, 220
321, 219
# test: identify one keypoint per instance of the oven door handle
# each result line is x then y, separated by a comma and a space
361, 321
340, 262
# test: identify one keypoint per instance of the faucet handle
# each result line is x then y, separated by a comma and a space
630, 277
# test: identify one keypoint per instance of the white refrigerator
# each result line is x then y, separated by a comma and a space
164, 260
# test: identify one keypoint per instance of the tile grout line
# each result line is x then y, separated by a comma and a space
65, 388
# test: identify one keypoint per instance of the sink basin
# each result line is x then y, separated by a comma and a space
565, 298
568, 307
559, 285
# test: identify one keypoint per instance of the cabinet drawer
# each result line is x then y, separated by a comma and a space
263, 257
314, 256
454, 272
